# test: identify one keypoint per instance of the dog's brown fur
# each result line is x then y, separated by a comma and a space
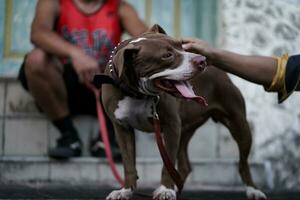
179, 120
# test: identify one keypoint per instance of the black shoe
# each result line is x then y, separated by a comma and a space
66, 148
97, 149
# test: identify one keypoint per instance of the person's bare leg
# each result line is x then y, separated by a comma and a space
45, 82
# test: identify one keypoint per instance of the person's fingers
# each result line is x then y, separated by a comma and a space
187, 46
88, 76
91, 75
93, 72
99, 71
184, 40
189, 40
191, 47
81, 77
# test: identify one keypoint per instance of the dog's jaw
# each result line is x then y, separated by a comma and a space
176, 80
147, 87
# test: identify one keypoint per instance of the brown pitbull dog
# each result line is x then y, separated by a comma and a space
155, 64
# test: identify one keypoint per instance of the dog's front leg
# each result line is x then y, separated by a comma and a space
171, 135
126, 141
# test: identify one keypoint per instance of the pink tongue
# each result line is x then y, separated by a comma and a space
186, 91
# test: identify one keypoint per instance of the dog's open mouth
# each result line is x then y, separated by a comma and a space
181, 88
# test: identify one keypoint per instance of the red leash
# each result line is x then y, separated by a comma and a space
165, 157
104, 134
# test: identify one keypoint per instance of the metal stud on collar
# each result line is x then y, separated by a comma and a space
113, 52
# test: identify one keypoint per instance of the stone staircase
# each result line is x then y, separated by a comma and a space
91, 170
26, 135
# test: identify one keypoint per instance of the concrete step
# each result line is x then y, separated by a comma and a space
92, 170
24, 131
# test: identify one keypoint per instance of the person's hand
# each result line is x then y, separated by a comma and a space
199, 47
84, 65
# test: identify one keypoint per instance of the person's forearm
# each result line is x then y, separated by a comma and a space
257, 69
52, 43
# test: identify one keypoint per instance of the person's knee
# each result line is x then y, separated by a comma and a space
35, 63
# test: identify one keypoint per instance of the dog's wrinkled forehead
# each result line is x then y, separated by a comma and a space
151, 45
157, 40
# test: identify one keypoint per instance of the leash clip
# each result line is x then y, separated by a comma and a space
154, 107
156, 99
155, 115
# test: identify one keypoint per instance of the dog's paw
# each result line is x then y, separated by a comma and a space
254, 194
163, 193
123, 194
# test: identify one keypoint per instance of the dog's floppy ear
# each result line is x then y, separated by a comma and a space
124, 63
157, 29
124, 58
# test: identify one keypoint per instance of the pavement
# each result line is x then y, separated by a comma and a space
85, 192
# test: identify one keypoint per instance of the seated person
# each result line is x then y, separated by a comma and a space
73, 40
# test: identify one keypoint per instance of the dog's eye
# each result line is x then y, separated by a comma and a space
167, 55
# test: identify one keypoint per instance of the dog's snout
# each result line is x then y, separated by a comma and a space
199, 61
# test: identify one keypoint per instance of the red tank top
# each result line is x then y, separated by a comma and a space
97, 33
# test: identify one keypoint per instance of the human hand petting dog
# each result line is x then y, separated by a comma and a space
198, 46
257, 69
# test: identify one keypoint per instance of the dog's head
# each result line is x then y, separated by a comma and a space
155, 62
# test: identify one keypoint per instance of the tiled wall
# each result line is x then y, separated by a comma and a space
25, 137
25, 130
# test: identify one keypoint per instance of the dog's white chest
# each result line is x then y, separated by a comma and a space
134, 113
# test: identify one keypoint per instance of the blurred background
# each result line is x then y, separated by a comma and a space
264, 27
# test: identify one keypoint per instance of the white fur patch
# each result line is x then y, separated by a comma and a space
183, 72
120, 194
163, 193
134, 113
254, 194
137, 40
123, 108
